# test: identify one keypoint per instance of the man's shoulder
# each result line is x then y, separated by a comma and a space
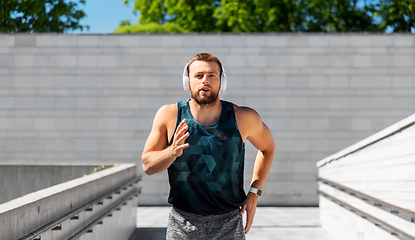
247, 119
168, 109
244, 111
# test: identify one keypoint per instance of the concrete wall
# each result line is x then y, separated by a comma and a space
19, 180
26, 216
381, 166
92, 98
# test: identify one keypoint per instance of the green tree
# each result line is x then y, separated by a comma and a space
338, 16
151, 28
280, 16
40, 16
259, 16
398, 15
150, 10
193, 15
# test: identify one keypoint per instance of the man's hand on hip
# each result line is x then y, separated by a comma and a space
249, 206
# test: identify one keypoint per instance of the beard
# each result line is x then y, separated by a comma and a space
205, 100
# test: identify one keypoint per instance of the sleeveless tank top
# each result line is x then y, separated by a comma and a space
207, 179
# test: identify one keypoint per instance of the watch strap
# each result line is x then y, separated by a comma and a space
256, 191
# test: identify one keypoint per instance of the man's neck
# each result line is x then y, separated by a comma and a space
206, 114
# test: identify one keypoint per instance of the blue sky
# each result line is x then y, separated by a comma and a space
104, 16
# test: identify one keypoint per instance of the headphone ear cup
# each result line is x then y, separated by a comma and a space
186, 83
223, 83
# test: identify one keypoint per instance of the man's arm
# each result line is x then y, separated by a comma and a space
253, 129
156, 156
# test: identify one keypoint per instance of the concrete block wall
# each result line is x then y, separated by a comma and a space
21, 179
92, 98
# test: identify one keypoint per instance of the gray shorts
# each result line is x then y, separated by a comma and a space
182, 225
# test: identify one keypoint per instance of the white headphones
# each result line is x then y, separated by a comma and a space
186, 80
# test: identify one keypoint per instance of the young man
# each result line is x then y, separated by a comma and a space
200, 141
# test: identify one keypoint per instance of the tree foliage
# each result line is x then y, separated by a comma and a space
338, 16
398, 15
151, 28
281, 15
259, 16
40, 16
197, 16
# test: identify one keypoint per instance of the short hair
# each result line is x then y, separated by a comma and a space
205, 57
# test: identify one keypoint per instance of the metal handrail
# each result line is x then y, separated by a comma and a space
379, 223
390, 208
33, 235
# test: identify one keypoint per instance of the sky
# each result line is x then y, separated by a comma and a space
104, 16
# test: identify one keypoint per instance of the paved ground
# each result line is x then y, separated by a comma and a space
270, 223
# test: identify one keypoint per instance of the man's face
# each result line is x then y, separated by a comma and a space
204, 81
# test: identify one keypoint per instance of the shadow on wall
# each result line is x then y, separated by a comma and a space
149, 234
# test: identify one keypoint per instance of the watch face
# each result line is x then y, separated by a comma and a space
259, 193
